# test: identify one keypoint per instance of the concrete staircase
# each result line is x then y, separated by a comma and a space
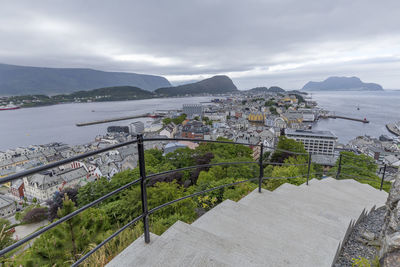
291, 226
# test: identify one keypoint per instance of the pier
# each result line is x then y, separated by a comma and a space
344, 118
147, 115
391, 127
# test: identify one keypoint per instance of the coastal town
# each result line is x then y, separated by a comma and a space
246, 118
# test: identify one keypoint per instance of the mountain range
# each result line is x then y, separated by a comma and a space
342, 84
21, 80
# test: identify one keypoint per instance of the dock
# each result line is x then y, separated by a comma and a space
147, 115
391, 127
344, 118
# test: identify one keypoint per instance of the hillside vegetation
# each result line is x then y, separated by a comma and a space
215, 85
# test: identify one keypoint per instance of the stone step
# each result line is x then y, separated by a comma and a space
321, 206
327, 193
342, 189
185, 245
133, 254
291, 226
276, 243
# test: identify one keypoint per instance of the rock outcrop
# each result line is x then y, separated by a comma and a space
390, 237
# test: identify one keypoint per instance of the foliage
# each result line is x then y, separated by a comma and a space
115, 246
287, 144
178, 120
270, 103
359, 167
20, 216
273, 111
206, 202
360, 262
75, 237
298, 168
67, 241
4, 222
56, 202
5, 235
35, 215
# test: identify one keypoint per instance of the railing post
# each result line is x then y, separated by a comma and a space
261, 167
383, 176
340, 167
309, 167
143, 189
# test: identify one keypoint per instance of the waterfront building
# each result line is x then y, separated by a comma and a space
293, 119
192, 110
136, 127
315, 142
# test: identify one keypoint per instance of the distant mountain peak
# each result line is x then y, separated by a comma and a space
219, 84
24, 80
336, 83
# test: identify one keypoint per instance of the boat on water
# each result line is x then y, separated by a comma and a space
9, 107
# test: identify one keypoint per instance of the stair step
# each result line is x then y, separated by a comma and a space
131, 256
299, 201
291, 226
342, 190
277, 244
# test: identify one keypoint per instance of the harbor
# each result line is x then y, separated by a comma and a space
393, 128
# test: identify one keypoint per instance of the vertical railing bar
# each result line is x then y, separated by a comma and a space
261, 167
309, 167
383, 177
143, 189
340, 167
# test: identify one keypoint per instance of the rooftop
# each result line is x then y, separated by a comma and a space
310, 133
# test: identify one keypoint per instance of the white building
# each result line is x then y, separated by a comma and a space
42, 186
136, 127
169, 130
7, 206
192, 110
315, 142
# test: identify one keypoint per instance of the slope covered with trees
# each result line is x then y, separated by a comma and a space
219, 84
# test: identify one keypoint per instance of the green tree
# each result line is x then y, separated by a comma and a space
359, 167
284, 147
66, 242
273, 111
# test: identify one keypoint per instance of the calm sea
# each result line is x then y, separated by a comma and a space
56, 123
379, 108
43, 125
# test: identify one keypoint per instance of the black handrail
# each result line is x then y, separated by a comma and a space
145, 178
62, 162
155, 175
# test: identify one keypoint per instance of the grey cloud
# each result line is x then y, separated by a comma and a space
208, 37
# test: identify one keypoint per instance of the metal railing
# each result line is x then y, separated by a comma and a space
144, 179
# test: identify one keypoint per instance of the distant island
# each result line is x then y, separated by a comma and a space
272, 89
342, 84
21, 80
212, 86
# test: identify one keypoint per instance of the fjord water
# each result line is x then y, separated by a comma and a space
56, 123
43, 125
379, 107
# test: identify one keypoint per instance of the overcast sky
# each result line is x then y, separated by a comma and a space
257, 43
